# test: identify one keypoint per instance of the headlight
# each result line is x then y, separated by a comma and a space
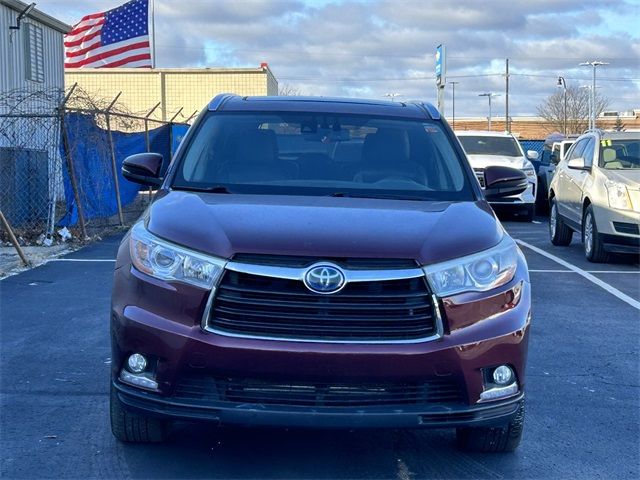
166, 261
529, 171
618, 195
476, 273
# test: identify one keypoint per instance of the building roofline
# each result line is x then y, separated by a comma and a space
37, 15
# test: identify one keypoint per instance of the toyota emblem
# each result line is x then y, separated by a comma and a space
324, 279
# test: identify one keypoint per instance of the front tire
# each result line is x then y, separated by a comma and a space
591, 239
559, 233
132, 427
493, 439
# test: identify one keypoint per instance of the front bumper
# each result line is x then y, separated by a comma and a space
618, 229
528, 197
162, 321
148, 403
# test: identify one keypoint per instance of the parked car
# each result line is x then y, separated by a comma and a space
313, 262
596, 192
554, 150
486, 149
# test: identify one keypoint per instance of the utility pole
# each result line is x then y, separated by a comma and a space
453, 102
563, 84
506, 96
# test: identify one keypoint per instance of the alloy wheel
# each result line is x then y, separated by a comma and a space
553, 220
588, 233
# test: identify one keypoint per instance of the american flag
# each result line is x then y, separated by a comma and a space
116, 38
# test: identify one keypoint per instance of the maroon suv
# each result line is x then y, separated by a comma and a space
330, 263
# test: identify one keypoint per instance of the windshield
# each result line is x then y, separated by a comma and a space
483, 145
322, 154
620, 154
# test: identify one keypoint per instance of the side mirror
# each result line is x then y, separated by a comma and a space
577, 164
554, 158
532, 155
503, 182
143, 168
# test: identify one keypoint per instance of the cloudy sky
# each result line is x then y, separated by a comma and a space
371, 48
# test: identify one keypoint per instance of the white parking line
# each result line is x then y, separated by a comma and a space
82, 260
533, 270
612, 290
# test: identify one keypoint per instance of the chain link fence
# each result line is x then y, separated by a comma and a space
60, 158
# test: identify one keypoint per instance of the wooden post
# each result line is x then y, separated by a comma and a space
171, 133
146, 126
13, 239
114, 168
72, 174
148, 140
192, 115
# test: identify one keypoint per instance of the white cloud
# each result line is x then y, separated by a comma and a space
369, 48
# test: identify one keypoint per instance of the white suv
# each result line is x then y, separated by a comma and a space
486, 149
596, 192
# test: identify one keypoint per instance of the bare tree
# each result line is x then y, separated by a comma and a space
287, 90
552, 109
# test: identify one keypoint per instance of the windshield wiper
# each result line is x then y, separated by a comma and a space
211, 189
383, 196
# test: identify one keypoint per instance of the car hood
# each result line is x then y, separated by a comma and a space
226, 224
630, 177
484, 161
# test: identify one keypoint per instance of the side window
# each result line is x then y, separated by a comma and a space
33, 53
577, 149
588, 152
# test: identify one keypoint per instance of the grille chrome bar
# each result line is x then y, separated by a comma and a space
297, 315
289, 273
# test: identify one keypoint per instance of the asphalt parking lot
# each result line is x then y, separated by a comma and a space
583, 388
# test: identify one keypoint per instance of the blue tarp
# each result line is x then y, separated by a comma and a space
89, 145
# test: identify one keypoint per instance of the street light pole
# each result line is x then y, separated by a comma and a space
563, 84
489, 95
392, 96
453, 102
588, 88
594, 64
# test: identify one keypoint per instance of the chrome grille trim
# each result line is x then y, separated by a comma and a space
288, 273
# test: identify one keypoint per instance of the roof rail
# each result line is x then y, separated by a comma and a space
220, 100
593, 130
428, 108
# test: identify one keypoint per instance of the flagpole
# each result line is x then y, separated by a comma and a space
153, 33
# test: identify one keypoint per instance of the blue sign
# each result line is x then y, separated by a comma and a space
439, 55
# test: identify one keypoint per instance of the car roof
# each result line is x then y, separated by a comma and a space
413, 110
482, 133
611, 135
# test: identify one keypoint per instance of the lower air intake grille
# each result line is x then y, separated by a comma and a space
206, 390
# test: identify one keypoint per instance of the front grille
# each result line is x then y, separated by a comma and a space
628, 228
371, 311
479, 175
208, 390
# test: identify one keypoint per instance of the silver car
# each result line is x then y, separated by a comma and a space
484, 149
596, 193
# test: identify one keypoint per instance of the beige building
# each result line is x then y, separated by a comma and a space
173, 88
536, 128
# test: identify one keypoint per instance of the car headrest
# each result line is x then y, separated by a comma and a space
257, 146
385, 146
608, 155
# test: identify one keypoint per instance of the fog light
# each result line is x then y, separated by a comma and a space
137, 363
139, 380
503, 375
